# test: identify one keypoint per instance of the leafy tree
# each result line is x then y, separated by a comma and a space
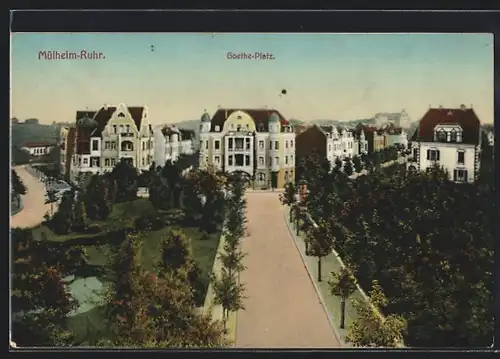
348, 170
338, 163
125, 177
358, 165
40, 300
80, 216
228, 293
17, 184
62, 221
146, 310
51, 198
342, 285
159, 192
373, 330
319, 242
288, 198
98, 198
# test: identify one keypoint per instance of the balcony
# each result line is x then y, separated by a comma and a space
127, 134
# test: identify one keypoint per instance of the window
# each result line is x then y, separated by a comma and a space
261, 161
113, 162
261, 177
433, 155
201, 144
95, 145
329, 147
206, 160
95, 162
277, 160
270, 160
106, 162
206, 145
230, 144
291, 144
85, 161
114, 128
247, 143
261, 127
291, 159
453, 136
238, 143
441, 136
238, 128
239, 160
107, 145
461, 157
127, 146
415, 154
286, 144
128, 129
286, 160
460, 176
247, 160
217, 159
270, 145
217, 128
276, 145
121, 114
121, 128
217, 145
261, 144
113, 145
286, 176
143, 160
143, 146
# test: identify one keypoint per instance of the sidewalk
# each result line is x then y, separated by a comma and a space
330, 303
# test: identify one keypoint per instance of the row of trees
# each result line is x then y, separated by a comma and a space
426, 241
229, 292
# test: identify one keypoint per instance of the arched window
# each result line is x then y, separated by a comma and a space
441, 136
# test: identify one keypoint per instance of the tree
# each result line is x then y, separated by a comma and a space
373, 330
319, 242
288, 198
176, 250
98, 198
51, 198
125, 176
18, 187
40, 300
80, 216
342, 285
159, 192
348, 170
145, 310
62, 221
274, 180
338, 163
358, 165
228, 293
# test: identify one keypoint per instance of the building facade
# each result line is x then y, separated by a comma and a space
395, 136
375, 138
170, 142
331, 142
397, 119
450, 138
257, 142
105, 137
38, 148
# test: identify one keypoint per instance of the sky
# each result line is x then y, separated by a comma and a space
179, 76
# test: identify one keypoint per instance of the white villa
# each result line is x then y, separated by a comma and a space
451, 138
171, 142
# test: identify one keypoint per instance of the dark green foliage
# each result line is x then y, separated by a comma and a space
98, 197
125, 177
17, 184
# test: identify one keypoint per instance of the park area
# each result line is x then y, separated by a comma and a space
103, 241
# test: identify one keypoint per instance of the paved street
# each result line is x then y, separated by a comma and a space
282, 307
34, 201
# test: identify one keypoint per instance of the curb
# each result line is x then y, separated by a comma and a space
336, 330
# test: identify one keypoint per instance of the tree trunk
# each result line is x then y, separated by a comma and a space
298, 226
224, 319
319, 269
291, 215
342, 313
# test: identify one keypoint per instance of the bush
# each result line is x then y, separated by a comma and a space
94, 228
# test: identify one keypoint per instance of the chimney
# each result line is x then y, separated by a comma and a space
463, 107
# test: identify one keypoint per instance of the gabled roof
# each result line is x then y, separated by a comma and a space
103, 116
38, 144
464, 117
260, 117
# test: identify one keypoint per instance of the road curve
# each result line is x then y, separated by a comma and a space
34, 202
282, 307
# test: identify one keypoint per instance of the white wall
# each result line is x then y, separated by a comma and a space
448, 157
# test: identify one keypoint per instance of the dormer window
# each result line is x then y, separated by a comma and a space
441, 136
453, 135
238, 117
217, 128
261, 127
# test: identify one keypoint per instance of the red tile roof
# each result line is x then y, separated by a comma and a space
465, 117
260, 117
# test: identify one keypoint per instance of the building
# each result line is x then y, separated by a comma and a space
450, 138
257, 142
397, 119
395, 136
171, 142
66, 142
105, 137
490, 135
38, 148
32, 121
331, 142
375, 138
